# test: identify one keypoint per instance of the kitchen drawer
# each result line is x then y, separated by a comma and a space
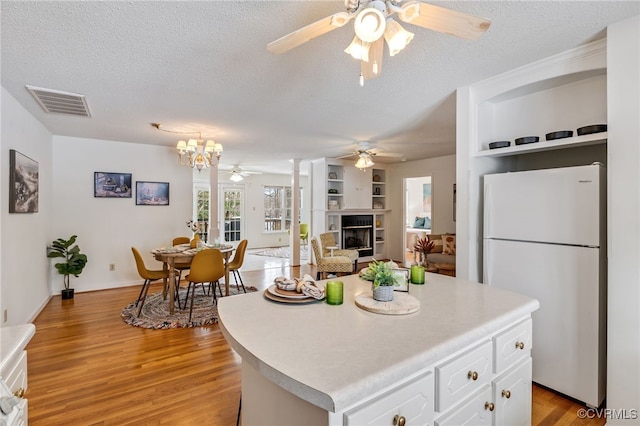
512, 345
478, 411
412, 400
463, 375
16, 375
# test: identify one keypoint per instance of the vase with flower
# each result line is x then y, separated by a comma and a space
195, 227
421, 249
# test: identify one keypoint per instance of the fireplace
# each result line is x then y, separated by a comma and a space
357, 233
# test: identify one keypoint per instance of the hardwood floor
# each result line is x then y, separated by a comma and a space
87, 367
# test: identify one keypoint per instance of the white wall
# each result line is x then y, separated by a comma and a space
107, 228
623, 350
24, 236
443, 175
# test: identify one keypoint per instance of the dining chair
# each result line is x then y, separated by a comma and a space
236, 263
149, 276
180, 267
207, 266
328, 239
304, 233
329, 264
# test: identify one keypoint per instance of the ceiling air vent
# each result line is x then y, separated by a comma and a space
57, 102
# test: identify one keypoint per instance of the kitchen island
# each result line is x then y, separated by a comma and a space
464, 356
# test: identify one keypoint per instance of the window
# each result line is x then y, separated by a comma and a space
202, 211
278, 208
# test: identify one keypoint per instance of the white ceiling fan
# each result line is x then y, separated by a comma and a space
236, 174
374, 24
365, 151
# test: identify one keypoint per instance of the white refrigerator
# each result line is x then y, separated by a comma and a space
545, 237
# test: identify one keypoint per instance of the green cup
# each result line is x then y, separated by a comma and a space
334, 292
417, 274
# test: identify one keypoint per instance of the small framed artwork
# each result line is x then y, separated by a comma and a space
402, 279
152, 193
111, 185
23, 183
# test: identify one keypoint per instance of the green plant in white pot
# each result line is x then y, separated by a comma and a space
73, 264
384, 279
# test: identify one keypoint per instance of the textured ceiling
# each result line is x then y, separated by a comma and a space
204, 65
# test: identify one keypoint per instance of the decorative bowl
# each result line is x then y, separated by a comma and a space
594, 128
499, 144
561, 134
527, 139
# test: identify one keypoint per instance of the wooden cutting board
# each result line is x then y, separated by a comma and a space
402, 304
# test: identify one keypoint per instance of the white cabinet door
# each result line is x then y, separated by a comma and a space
357, 188
476, 412
512, 396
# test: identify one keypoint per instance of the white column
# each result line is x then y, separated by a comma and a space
294, 235
214, 223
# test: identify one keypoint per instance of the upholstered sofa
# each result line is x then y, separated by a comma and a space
443, 253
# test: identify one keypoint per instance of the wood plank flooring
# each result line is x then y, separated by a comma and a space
87, 367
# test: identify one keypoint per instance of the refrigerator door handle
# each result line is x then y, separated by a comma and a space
487, 209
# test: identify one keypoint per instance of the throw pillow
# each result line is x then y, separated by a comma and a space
419, 222
427, 223
437, 241
449, 244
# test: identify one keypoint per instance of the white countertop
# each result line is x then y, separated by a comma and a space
13, 340
334, 356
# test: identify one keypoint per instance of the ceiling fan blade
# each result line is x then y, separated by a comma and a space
387, 154
311, 31
373, 68
444, 20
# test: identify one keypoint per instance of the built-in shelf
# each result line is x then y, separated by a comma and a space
584, 140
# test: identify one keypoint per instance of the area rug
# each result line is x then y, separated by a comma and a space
281, 252
155, 312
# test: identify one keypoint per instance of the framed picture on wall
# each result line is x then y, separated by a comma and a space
23, 183
111, 185
152, 193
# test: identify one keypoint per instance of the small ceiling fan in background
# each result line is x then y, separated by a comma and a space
236, 174
364, 152
374, 24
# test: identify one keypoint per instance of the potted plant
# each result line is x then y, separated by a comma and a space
381, 273
73, 264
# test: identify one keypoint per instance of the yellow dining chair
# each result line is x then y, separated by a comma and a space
304, 233
207, 266
180, 267
149, 276
236, 263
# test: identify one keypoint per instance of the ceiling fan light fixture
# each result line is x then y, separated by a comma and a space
364, 161
397, 38
236, 177
370, 24
358, 49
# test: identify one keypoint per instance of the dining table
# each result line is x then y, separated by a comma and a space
184, 253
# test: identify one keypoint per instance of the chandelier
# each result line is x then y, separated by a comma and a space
364, 161
196, 153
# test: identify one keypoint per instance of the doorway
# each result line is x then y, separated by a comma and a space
417, 214
232, 210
